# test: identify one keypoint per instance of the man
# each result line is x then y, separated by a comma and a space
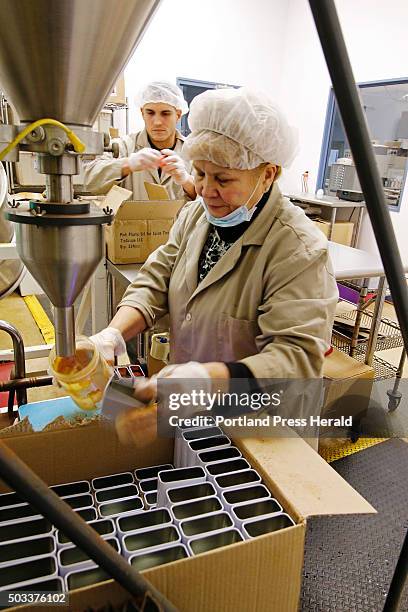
151, 155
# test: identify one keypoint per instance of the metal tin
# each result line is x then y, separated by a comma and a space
152, 471
197, 546
13, 514
104, 527
27, 549
114, 493
148, 486
145, 560
190, 509
150, 500
123, 372
209, 443
254, 510
179, 477
120, 506
87, 514
178, 437
182, 494
226, 467
114, 480
11, 499
72, 558
193, 447
151, 519
151, 539
81, 578
245, 478
204, 525
135, 370
196, 433
77, 502
25, 529
232, 497
16, 574
258, 527
71, 488
215, 456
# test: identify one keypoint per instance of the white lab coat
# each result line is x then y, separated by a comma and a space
269, 302
103, 172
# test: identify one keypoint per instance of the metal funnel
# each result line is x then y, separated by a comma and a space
62, 259
61, 58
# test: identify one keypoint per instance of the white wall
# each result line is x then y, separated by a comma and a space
368, 26
227, 41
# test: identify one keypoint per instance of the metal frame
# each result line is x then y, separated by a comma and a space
184, 81
339, 66
328, 129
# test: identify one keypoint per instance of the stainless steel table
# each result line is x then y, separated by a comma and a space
333, 204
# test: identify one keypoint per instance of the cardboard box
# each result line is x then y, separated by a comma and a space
342, 231
139, 227
264, 573
348, 385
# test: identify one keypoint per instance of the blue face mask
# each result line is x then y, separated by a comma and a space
237, 216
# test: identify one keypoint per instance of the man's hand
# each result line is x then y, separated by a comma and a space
145, 159
173, 165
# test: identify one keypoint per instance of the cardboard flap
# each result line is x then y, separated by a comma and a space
156, 192
148, 210
303, 477
115, 197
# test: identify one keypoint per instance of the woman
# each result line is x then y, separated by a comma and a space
245, 276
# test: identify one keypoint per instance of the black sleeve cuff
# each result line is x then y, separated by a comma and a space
242, 379
238, 370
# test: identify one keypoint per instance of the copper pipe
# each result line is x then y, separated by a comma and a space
25, 383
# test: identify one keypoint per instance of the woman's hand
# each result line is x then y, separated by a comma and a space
138, 426
110, 343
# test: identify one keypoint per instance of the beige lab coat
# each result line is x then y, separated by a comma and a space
268, 302
103, 172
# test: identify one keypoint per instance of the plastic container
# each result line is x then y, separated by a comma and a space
84, 376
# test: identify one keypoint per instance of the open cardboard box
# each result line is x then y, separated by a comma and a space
348, 385
342, 230
138, 227
263, 574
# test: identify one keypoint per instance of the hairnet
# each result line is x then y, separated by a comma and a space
165, 92
238, 128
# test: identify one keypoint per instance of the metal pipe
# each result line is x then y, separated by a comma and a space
25, 383
59, 188
30, 486
19, 357
359, 314
64, 323
338, 63
375, 326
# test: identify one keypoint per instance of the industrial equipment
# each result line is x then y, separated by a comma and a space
59, 60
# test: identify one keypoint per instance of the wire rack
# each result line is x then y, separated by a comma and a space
389, 336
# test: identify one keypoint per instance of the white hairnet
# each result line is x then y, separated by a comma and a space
165, 92
238, 128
